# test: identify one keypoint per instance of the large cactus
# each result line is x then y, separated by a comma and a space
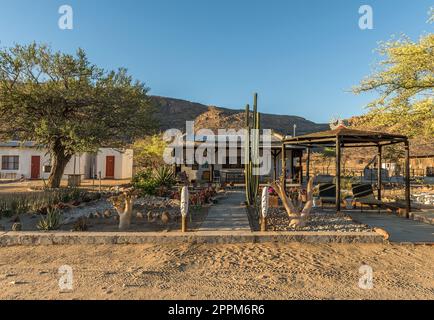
252, 153
247, 160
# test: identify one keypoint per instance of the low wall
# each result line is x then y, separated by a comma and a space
69, 238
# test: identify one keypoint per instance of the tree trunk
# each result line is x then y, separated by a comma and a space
59, 160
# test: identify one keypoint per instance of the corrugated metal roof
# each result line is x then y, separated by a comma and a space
19, 144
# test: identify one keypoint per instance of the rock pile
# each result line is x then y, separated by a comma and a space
278, 220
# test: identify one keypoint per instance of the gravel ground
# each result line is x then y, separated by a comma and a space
317, 221
100, 222
231, 271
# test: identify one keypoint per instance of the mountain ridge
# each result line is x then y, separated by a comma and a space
173, 112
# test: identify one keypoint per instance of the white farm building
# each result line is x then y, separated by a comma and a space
27, 160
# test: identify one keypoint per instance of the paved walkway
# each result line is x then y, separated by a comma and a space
399, 229
228, 214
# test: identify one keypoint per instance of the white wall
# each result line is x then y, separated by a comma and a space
24, 161
123, 162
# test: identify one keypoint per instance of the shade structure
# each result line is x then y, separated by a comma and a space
343, 137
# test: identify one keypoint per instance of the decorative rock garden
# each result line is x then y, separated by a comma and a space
424, 198
278, 220
78, 210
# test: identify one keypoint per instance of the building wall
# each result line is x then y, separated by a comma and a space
197, 174
24, 161
83, 163
123, 162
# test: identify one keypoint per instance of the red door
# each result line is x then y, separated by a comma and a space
110, 167
35, 169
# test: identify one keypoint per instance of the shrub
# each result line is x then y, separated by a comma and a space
142, 175
37, 201
81, 224
147, 186
154, 182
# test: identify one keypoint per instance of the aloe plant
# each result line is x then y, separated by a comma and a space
51, 221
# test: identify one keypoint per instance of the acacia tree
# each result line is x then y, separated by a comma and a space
405, 81
67, 104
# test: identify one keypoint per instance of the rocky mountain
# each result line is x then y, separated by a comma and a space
172, 113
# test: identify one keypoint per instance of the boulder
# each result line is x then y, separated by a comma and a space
139, 215
107, 213
165, 217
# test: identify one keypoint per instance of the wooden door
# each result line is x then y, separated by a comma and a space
110, 167
35, 169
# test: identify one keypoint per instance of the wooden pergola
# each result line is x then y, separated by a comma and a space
343, 137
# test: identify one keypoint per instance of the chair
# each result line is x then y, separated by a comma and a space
327, 193
364, 195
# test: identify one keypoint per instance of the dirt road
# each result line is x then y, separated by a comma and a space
249, 271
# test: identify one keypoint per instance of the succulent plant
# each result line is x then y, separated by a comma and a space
51, 221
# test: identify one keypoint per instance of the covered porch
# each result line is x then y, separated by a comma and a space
343, 137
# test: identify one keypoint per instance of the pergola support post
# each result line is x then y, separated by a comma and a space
338, 174
274, 154
379, 178
308, 165
283, 166
291, 166
407, 179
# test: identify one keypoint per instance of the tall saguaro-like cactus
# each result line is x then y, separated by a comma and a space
252, 153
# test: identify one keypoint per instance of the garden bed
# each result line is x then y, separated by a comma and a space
98, 215
319, 220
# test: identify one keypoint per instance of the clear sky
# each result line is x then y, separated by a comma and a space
301, 56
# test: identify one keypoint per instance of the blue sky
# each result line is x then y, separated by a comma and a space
301, 56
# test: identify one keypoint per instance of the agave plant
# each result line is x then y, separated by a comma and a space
51, 221
164, 176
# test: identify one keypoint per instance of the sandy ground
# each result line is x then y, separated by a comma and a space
236, 271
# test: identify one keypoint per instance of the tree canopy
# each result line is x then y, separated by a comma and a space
148, 152
405, 82
67, 104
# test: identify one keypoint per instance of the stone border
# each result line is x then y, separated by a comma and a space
11, 238
424, 216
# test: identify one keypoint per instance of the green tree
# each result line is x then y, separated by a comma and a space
327, 157
405, 81
148, 151
67, 104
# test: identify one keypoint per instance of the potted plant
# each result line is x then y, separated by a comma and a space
273, 199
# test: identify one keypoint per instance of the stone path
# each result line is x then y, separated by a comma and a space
399, 229
228, 214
